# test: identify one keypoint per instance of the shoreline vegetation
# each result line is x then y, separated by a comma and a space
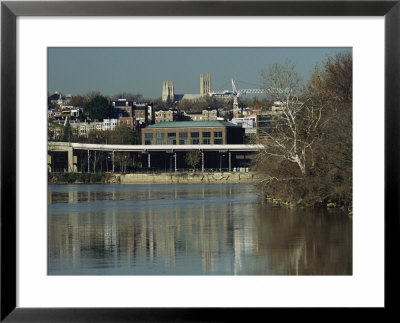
79, 178
181, 178
307, 156
152, 178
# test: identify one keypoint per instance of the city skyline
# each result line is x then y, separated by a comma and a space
142, 70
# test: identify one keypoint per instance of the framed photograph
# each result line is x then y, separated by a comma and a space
198, 159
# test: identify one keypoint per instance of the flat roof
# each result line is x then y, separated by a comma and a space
179, 97
192, 124
61, 146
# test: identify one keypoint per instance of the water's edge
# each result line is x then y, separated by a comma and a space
157, 178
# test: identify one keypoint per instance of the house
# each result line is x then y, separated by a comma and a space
165, 115
208, 114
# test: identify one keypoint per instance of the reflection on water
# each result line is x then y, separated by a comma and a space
182, 229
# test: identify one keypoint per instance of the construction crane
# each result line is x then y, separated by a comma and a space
238, 92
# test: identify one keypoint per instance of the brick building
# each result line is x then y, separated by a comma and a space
193, 133
166, 115
208, 114
129, 122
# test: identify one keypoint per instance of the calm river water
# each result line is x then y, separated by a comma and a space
184, 229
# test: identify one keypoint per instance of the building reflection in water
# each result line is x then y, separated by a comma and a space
189, 230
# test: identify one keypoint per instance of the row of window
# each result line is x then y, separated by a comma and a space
171, 135
183, 142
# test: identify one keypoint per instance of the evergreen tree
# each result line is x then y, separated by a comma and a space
97, 108
67, 134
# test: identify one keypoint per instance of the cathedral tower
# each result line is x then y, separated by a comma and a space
168, 91
205, 85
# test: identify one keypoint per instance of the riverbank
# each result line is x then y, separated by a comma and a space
328, 205
152, 178
187, 178
184, 178
79, 178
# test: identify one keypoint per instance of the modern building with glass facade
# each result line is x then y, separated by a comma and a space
193, 133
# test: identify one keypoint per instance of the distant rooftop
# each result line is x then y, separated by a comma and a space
165, 109
122, 103
199, 113
179, 97
186, 124
55, 96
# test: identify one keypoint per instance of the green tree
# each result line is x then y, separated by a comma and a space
67, 134
97, 108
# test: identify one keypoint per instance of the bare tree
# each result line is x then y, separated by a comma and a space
91, 95
307, 157
124, 160
297, 119
332, 86
192, 158
78, 101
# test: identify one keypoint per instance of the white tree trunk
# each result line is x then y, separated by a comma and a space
300, 163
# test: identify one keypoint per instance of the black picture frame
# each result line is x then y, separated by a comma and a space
10, 10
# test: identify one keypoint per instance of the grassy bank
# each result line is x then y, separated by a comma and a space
78, 178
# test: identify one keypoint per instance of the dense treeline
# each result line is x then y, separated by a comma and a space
307, 159
95, 106
121, 135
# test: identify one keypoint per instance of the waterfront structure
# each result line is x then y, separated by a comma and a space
193, 133
72, 157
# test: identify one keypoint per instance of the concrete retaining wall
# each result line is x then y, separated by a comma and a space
189, 178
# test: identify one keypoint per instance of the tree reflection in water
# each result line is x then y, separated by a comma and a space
190, 230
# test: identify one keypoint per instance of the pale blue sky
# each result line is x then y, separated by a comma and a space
142, 70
